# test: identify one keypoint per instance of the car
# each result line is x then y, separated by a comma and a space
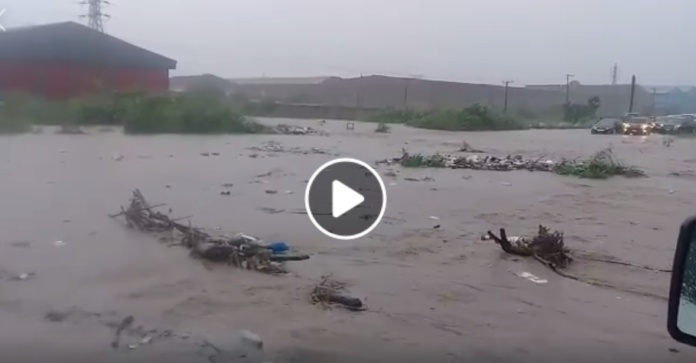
606, 126
679, 124
636, 126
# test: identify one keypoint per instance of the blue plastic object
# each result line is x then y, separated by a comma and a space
277, 247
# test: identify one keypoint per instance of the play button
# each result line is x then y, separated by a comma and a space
345, 199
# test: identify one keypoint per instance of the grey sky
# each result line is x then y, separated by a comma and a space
529, 41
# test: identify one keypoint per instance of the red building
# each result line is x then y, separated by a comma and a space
65, 60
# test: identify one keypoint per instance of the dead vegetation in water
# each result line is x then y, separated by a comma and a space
601, 165
330, 292
549, 249
241, 251
383, 128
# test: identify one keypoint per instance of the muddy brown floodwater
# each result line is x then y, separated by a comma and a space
436, 294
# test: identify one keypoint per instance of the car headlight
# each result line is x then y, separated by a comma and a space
644, 127
625, 126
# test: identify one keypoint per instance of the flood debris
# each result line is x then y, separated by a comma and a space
601, 165
547, 247
465, 147
330, 292
126, 323
242, 251
70, 129
421, 179
277, 147
285, 129
383, 128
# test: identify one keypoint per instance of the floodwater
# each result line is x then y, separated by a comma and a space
437, 294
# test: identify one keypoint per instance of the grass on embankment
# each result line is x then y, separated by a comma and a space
138, 113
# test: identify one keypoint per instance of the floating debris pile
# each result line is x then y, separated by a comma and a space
476, 162
241, 251
547, 247
276, 147
286, 129
599, 166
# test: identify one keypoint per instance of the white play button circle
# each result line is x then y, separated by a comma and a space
345, 198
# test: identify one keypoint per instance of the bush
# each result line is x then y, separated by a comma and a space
472, 118
185, 114
137, 112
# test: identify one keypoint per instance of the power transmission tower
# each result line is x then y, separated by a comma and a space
615, 74
95, 14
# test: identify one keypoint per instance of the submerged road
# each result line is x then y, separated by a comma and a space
436, 294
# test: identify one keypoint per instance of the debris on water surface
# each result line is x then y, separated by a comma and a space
249, 339
70, 129
465, 147
242, 251
383, 128
276, 147
601, 165
286, 129
531, 277
546, 246
331, 292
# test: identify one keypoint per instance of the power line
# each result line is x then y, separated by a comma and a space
95, 14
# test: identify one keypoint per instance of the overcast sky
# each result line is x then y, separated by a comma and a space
484, 41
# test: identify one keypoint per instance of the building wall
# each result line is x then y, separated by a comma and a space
60, 81
381, 92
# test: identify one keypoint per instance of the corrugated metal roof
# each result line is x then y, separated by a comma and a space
73, 42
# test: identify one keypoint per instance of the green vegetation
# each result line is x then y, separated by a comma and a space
138, 113
576, 113
472, 118
422, 161
185, 114
601, 165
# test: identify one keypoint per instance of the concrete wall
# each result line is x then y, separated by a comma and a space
381, 92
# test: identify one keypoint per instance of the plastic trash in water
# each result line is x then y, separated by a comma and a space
531, 277
277, 247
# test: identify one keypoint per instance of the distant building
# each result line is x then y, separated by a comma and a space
64, 60
201, 83
673, 99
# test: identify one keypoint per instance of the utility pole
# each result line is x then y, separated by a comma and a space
633, 93
407, 83
654, 100
95, 14
405, 102
568, 77
358, 99
615, 74
507, 84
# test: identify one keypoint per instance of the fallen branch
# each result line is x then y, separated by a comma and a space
549, 249
331, 292
241, 251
